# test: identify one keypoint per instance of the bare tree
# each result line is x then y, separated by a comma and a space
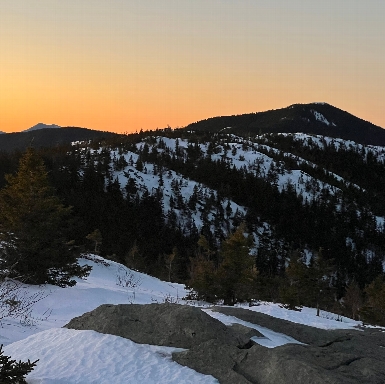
16, 301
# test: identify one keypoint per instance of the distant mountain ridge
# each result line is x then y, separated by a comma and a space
48, 137
41, 126
313, 118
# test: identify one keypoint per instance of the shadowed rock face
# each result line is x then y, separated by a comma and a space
159, 324
327, 357
335, 357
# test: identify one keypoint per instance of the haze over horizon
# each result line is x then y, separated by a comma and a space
127, 65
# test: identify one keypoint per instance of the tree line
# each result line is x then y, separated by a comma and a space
82, 207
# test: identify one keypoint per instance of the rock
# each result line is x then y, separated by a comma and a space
173, 325
214, 358
303, 333
287, 364
335, 357
327, 357
246, 331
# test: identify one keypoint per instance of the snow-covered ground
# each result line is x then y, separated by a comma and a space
68, 356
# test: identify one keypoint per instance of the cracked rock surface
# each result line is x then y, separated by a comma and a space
327, 356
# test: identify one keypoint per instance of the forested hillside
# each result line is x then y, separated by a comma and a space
185, 205
314, 118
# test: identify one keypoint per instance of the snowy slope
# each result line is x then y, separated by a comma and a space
260, 157
69, 356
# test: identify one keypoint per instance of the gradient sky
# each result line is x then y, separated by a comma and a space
123, 65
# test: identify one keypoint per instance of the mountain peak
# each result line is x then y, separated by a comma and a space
41, 126
318, 118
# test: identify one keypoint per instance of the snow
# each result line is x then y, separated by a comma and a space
69, 356
271, 339
320, 117
41, 126
148, 180
307, 316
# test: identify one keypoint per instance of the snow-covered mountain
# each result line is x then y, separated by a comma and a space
304, 168
70, 356
41, 126
300, 194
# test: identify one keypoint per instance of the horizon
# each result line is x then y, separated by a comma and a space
177, 127
124, 66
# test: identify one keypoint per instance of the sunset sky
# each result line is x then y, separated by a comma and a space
123, 65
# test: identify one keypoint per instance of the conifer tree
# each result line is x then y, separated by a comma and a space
236, 273
297, 277
11, 371
374, 308
33, 225
353, 299
203, 279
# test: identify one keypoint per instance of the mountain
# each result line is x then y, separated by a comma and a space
168, 202
153, 195
314, 118
41, 126
47, 137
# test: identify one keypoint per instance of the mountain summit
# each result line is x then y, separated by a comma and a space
41, 126
313, 118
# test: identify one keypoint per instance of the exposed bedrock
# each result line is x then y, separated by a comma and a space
331, 357
172, 325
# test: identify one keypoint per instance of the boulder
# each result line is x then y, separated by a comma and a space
327, 357
166, 324
214, 358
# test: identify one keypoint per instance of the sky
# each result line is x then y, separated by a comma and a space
126, 65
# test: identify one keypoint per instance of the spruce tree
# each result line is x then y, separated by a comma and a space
374, 309
33, 224
236, 275
11, 371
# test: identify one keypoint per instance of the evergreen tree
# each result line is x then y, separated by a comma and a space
12, 372
374, 308
33, 225
307, 285
236, 274
297, 278
353, 299
202, 280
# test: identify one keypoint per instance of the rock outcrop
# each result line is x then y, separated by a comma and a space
327, 357
335, 357
171, 325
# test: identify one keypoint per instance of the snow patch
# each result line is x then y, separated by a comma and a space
320, 117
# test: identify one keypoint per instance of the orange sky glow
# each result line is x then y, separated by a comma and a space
123, 65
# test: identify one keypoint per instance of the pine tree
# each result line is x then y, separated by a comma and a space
12, 372
203, 280
307, 285
374, 308
33, 224
236, 274
297, 277
353, 299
